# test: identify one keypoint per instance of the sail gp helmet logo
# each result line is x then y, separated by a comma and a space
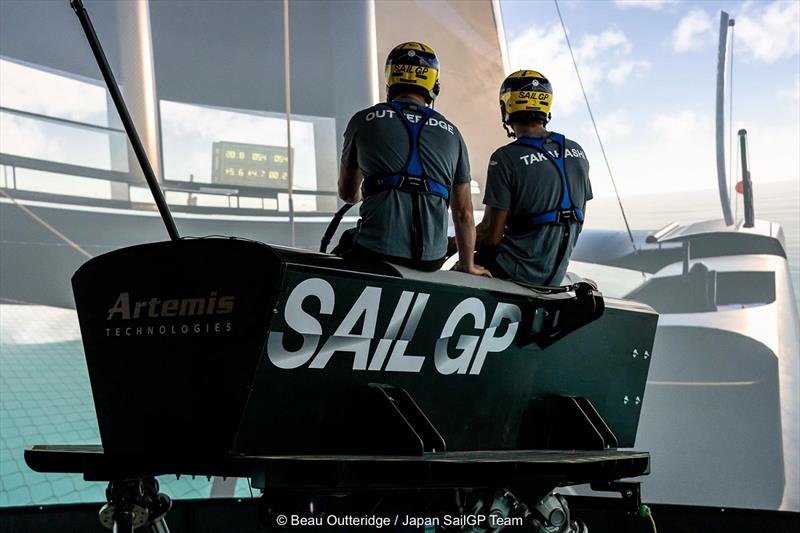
356, 335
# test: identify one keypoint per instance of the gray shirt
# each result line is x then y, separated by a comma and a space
522, 181
377, 142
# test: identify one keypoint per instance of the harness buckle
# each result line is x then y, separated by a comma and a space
413, 183
567, 215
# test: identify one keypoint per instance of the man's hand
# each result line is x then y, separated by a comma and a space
490, 230
475, 270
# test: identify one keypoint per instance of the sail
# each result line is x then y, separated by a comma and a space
470, 50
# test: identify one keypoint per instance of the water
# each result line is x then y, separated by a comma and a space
776, 202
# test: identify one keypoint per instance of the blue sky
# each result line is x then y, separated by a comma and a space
650, 72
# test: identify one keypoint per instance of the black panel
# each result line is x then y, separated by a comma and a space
724, 244
745, 288
701, 290
172, 333
471, 411
430, 471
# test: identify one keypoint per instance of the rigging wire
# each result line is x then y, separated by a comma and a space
72, 244
287, 63
596, 131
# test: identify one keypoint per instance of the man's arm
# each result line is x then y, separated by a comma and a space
350, 176
464, 222
490, 230
350, 184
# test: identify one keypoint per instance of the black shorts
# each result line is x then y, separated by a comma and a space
487, 258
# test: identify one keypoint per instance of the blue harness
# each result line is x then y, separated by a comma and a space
412, 177
565, 214
566, 211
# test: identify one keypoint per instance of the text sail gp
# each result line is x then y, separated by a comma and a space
379, 327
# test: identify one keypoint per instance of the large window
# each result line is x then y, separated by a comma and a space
245, 149
52, 93
57, 117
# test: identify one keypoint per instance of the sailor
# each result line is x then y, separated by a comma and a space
536, 189
407, 164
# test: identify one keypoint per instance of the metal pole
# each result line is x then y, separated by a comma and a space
747, 184
287, 72
724, 22
124, 115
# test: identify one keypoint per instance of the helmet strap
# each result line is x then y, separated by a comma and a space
509, 131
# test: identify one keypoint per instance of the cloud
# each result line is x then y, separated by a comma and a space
769, 32
675, 125
656, 153
604, 56
692, 31
773, 151
616, 125
30, 89
39, 139
654, 5
28, 138
620, 73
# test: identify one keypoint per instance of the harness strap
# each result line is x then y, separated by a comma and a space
562, 252
566, 213
332, 227
412, 177
405, 183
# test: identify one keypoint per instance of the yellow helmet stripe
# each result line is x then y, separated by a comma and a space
416, 75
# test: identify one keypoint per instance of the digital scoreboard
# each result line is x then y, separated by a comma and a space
250, 165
